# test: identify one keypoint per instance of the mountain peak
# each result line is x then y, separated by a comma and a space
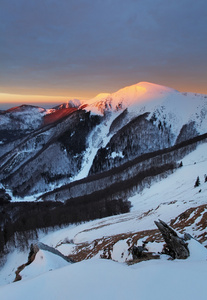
128, 96
143, 91
154, 86
69, 104
25, 108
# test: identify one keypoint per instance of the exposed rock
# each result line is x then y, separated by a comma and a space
141, 253
137, 251
175, 246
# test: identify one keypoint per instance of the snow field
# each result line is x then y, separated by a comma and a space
104, 279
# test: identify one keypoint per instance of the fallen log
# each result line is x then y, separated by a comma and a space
175, 246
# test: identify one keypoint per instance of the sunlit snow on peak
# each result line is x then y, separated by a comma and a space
153, 87
128, 97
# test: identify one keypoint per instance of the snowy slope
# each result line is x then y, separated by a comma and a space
24, 117
165, 199
168, 109
101, 279
44, 262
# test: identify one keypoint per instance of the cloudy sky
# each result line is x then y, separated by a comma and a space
78, 48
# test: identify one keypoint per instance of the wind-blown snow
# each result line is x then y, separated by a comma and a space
197, 251
44, 262
13, 261
103, 279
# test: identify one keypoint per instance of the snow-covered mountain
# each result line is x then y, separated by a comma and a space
163, 103
102, 133
101, 172
24, 117
71, 103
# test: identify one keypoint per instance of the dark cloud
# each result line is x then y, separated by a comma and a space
97, 44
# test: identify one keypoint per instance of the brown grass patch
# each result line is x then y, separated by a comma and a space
104, 245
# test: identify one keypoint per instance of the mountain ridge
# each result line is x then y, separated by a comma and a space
91, 182
106, 134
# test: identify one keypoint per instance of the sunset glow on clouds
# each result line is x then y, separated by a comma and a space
79, 48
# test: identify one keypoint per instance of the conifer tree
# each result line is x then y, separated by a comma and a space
197, 183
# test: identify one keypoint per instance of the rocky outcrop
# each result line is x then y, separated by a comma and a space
176, 246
